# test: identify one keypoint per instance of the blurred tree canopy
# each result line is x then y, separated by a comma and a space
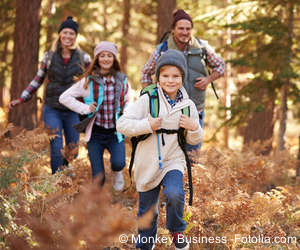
259, 39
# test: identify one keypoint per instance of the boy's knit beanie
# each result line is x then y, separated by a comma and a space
68, 23
172, 57
180, 14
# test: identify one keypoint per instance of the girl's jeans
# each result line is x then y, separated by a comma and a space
59, 121
174, 193
96, 146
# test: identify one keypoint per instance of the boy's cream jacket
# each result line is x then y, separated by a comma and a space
134, 122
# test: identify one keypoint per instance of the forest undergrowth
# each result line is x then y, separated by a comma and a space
237, 195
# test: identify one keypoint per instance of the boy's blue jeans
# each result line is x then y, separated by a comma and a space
96, 146
59, 121
190, 147
174, 193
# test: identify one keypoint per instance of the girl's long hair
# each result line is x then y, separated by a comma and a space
94, 66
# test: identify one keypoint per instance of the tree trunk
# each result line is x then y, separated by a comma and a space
165, 10
105, 30
283, 117
25, 60
125, 31
298, 162
2, 73
261, 124
285, 87
49, 28
228, 76
1, 91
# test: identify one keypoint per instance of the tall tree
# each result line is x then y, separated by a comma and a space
7, 18
105, 17
298, 161
50, 8
228, 73
125, 31
260, 123
25, 60
260, 120
165, 10
285, 86
4, 53
261, 50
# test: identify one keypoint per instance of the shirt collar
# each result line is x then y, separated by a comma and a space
179, 97
112, 79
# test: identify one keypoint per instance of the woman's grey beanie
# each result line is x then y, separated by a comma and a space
172, 57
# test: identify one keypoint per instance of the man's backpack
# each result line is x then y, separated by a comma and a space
152, 92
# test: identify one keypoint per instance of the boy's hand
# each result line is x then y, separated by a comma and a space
188, 123
93, 107
155, 123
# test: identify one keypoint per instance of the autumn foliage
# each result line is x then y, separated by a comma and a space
236, 194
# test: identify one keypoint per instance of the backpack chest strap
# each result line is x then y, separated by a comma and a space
163, 131
167, 131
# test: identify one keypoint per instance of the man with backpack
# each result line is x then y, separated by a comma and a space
198, 55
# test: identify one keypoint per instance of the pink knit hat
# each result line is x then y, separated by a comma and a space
106, 46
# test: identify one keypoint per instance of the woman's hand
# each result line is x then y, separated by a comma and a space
93, 107
155, 123
14, 103
188, 123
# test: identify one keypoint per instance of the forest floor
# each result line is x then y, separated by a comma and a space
242, 200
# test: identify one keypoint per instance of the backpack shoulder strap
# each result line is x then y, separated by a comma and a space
182, 144
90, 99
165, 36
181, 135
203, 49
186, 111
204, 56
151, 91
162, 47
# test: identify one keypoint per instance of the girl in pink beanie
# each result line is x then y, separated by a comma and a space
104, 91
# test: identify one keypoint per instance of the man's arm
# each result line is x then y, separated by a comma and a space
149, 69
217, 65
215, 62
